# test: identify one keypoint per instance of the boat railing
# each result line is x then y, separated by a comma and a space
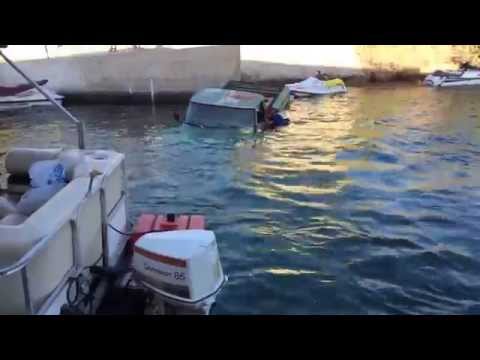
21, 264
25, 260
78, 122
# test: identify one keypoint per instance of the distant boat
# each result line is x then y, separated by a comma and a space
25, 95
467, 75
314, 86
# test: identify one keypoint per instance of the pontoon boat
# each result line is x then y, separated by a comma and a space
66, 246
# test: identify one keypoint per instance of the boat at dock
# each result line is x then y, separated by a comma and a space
67, 245
313, 86
26, 95
467, 75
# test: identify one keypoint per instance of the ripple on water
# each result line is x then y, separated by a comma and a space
366, 204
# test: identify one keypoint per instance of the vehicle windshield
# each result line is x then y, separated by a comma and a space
209, 116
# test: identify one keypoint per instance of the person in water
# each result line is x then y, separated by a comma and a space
274, 121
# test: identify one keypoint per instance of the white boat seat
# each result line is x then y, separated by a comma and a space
73, 202
19, 160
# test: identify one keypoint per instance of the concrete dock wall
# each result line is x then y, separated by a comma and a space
90, 72
285, 62
352, 62
129, 73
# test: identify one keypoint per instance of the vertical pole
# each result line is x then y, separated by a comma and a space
26, 291
152, 92
103, 210
152, 97
75, 245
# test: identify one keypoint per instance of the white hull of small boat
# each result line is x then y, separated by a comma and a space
314, 86
453, 78
27, 99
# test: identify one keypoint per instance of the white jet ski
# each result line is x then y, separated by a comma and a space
467, 75
314, 86
25, 95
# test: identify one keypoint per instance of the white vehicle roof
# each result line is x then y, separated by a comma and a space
228, 98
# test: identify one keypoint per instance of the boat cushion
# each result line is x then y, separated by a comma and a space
19, 160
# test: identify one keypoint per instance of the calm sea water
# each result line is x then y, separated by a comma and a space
369, 203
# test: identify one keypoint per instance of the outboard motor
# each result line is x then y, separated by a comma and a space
181, 268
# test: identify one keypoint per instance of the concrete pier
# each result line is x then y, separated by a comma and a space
128, 75
89, 73
356, 64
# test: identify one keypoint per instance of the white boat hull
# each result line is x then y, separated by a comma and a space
314, 86
470, 82
453, 79
27, 99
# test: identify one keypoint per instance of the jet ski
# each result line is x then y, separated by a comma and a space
467, 75
315, 86
25, 95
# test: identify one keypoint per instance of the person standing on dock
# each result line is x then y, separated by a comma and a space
322, 76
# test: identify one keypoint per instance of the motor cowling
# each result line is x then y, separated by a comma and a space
181, 267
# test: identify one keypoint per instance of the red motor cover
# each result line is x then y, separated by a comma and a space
147, 223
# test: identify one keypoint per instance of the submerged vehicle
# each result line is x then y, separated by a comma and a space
66, 246
220, 108
25, 95
467, 75
313, 86
214, 108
